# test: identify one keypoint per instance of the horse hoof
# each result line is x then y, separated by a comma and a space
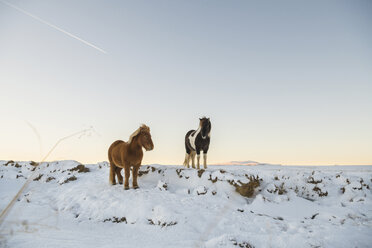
135, 187
120, 182
126, 188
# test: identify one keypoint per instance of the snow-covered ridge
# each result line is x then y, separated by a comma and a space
223, 206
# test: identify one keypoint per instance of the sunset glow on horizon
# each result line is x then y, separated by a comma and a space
283, 83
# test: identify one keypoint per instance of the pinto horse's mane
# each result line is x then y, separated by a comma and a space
143, 127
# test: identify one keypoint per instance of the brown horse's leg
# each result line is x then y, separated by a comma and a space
112, 180
135, 174
118, 174
126, 175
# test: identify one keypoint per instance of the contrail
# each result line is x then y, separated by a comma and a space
53, 26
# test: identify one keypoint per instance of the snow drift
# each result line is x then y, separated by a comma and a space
69, 204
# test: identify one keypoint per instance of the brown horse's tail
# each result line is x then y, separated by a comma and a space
187, 159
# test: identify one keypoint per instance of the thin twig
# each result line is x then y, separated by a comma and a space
10, 205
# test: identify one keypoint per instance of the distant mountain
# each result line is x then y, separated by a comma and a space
246, 163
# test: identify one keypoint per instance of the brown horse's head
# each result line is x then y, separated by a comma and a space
145, 138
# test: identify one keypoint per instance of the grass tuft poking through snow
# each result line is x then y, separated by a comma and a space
246, 189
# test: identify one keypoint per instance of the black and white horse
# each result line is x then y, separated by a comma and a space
197, 141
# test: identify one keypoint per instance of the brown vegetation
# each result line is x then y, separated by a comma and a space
246, 189
79, 168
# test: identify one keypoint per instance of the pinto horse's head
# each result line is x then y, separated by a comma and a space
206, 126
145, 138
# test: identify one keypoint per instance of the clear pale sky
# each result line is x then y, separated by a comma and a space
286, 82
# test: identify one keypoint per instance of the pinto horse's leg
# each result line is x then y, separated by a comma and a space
126, 175
205, 151
198, 160
135, 174
112, 180
118, 174
205, 160
193, 159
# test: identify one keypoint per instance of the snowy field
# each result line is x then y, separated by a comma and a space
72, 205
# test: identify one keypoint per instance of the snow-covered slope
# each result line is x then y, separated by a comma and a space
72, 205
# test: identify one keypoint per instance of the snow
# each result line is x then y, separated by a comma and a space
70, 205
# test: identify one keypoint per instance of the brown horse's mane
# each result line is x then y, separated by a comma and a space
143, 127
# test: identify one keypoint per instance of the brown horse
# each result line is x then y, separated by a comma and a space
123, 155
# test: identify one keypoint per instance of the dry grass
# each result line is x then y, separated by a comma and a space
80, 169
33, 163
319, 191
38, 177
162, 224
9, 162
200, 172
117, 220
212, 180
242, 244
313, 181
278, 189
143, 172
246, 189
50, 179
178, 171
73, 178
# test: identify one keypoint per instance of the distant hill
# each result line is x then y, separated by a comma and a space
247, 163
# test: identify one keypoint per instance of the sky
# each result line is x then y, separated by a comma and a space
283, 82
